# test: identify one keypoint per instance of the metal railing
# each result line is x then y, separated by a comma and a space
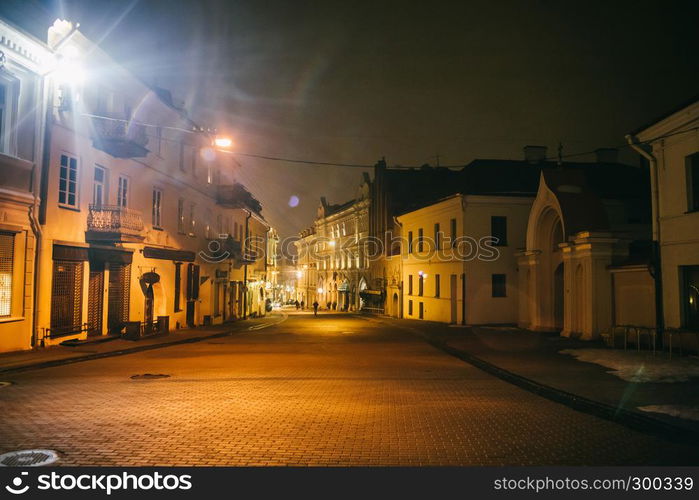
113, 218
113, 127
64, 331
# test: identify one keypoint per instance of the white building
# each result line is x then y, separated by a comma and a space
674, 160
23, 61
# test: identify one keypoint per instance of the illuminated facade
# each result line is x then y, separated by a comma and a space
23, 60
333, 258
142, 225
459, 262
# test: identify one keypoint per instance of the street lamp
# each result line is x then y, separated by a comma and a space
223, 142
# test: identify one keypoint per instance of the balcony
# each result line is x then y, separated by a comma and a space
116, 136
114, 224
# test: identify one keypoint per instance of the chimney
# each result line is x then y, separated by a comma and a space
535, 154
606, 155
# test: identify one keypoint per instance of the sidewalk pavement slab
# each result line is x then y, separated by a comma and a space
63, 354
537, 356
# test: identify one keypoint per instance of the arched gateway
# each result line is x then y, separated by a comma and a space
564, 282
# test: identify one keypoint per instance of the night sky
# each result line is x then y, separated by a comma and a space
351, 82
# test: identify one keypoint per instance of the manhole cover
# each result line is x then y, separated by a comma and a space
149, 376
28, 458
5, 384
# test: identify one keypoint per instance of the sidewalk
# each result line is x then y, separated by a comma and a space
100, 348
647, 386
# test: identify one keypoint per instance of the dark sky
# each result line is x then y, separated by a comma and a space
355, 81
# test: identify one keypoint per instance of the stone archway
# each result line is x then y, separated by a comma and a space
548, 270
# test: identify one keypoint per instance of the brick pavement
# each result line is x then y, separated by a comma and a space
332, 390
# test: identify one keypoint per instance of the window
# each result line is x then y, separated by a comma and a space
180, 216
410, 242
690, 297
692, 162
421, 310
498, 230
99, 188
7, 249
499, 285
178, 285
437, 285
410, 284
123, 192
437, 237
157, 207
158, 140
9, 93
452, 232
192, 221
420, 240
235, 230
68, 182
410, 307
420, 285
4, 115
207, 225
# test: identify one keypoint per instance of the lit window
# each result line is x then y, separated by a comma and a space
7, 244
68, 182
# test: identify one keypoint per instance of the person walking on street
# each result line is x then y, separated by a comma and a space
297, 305
315, 308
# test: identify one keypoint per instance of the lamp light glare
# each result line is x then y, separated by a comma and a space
223, 142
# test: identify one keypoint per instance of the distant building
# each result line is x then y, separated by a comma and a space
333, 260
674, 158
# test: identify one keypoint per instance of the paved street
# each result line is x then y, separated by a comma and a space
332, 390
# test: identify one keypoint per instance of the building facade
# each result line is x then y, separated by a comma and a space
23, 61
459, 262
674, 160
143, 226
333, 254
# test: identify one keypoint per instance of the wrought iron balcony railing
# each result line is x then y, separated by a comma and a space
114, 222
119, 137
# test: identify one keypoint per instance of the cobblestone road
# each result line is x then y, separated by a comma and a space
332, 390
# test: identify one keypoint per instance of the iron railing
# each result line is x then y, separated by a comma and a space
117, 128
64, 331
113, 219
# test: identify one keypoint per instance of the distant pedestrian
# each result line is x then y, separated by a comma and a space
315, 308
303, 304
296, 303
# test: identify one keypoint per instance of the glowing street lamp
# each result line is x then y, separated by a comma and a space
223, 142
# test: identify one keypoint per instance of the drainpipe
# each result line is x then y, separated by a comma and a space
400, 283
245, 266
656, 271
